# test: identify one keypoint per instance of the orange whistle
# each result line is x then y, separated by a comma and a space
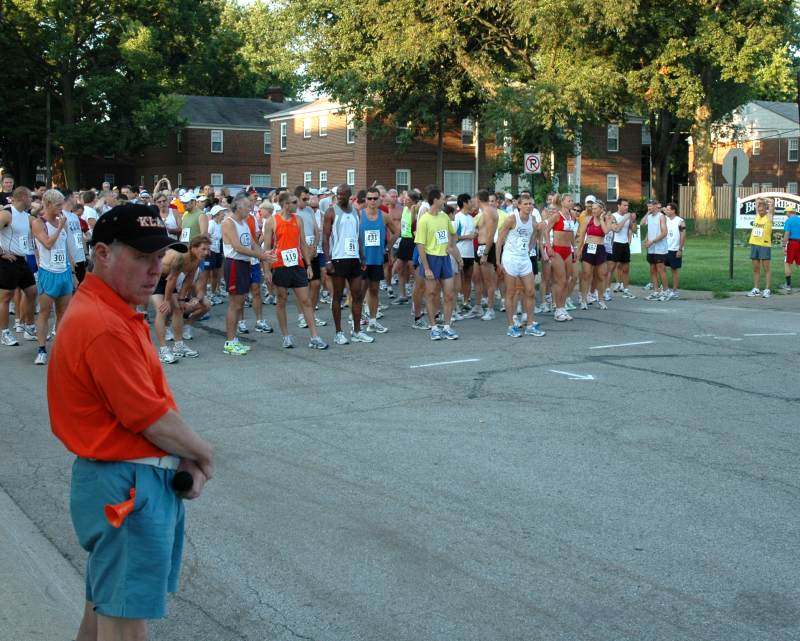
116, 513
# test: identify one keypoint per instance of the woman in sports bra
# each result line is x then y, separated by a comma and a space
593, 254
563, 223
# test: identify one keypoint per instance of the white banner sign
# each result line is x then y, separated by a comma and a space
746, 208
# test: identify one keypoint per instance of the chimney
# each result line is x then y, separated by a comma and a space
275, 93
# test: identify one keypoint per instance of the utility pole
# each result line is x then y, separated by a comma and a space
47, 145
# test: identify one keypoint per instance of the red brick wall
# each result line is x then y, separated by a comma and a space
770, 166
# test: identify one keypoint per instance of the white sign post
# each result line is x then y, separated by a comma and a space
533, 163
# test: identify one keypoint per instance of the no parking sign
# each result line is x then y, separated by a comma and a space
533, 163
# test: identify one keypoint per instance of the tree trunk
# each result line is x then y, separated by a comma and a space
704, 206
662, 144
440, 154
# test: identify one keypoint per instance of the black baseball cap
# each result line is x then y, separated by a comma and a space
135, 225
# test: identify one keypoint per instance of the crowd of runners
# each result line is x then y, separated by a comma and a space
445, 258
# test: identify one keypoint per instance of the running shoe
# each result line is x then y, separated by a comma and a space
561, 316
324, 298
436, 333
786, 289
390, 292
216, 300
8, 338
165, 355
648, 286
319, 322
534, 330
29, 332
514, 332
242, 327
270, 300
456, 317
19, 327
340, 339
466, 308
187, 333
234, 348
754, 292
538, 309
379, 315
402, 300
653, 296
288, 341
607, 295
168, 335
317, 343
674, 294
246, 348
449, 333
665, 296
488, 315
583, 303
361, 337
181, 350
502, 305
766, 293
602, 304
375, 326
41, 358
473, 312
263, 327
569, 305
627, 293
545, 309
421, 324
205, 317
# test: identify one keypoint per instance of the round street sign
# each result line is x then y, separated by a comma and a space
742, 166
533, 163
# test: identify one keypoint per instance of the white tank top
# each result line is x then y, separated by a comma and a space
653, 230
75, 240
518, 239
319, 221
243, 231
16, 238
344, 236
306, 214
53, 260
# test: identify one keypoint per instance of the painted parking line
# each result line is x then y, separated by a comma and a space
622, 345
775, 334
465, 360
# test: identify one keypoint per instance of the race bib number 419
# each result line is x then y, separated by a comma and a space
290, 257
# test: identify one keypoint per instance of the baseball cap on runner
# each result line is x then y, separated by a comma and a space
790, 207
137, 226
216, 209
590, 199
188, 196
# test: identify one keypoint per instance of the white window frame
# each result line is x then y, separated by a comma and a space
307, 180
179, 141
261, 180
756, 186
791, 187
457, 181
217, 180
468, 128
612, 139
612, 193
307, 124
351, 178
284, 179
792, 150
268, 142
323, 179
400, 185
350, 131
221, 142
284, 134
141, 180
766, 186
756, 146
323, 125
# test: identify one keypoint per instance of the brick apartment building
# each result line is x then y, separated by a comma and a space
318, 145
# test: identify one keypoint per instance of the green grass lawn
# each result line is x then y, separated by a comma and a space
705, 263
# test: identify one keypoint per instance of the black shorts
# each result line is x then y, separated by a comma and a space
656, 259
17, 273
290, 277
373, 273
621, 253
347, 268
598, 258
468, 263
491, 258
406, 249
673, 260
535, 265
237, 276
80, 271
161, 287
315, 268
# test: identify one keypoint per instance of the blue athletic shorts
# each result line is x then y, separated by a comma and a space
54, 285
31, 258
211, 262
440, 266
255, 274
415, 256
131, 569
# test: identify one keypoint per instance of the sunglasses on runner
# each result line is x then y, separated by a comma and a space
373, 198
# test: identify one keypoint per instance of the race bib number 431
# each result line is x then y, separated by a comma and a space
372, 238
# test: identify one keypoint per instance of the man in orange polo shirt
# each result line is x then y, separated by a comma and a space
111, 406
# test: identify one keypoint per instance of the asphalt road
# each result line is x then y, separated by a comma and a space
637, 493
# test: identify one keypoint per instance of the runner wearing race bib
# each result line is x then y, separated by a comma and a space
213, 262
56, 268
405, 248
376, 227
594, 253
313, 237
291, 268
464, 223
656, 244
761, 247
622, 225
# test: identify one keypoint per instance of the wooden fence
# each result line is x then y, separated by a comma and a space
723, 200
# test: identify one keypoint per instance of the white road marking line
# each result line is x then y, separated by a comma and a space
466, 360
574, 377
726, 338
622, 345
775, 334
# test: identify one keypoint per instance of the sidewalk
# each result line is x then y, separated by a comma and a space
40, 592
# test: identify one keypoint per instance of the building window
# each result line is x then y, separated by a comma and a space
756, 146
351, 131
766, 186
323, 180
179, 141
459, 182
141, 180
216, 180
351, 177
402, 179
646, 139
792, 150
756, 187
180, 179
306, 127
791, 188
467, 132
323, 125
284, 128
284, 179
261, 180
612, 188
268, 142
612, 139
306, 179
216, 141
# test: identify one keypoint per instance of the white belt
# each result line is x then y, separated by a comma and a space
168, 462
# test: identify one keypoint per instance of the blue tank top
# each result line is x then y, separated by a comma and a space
373, 238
